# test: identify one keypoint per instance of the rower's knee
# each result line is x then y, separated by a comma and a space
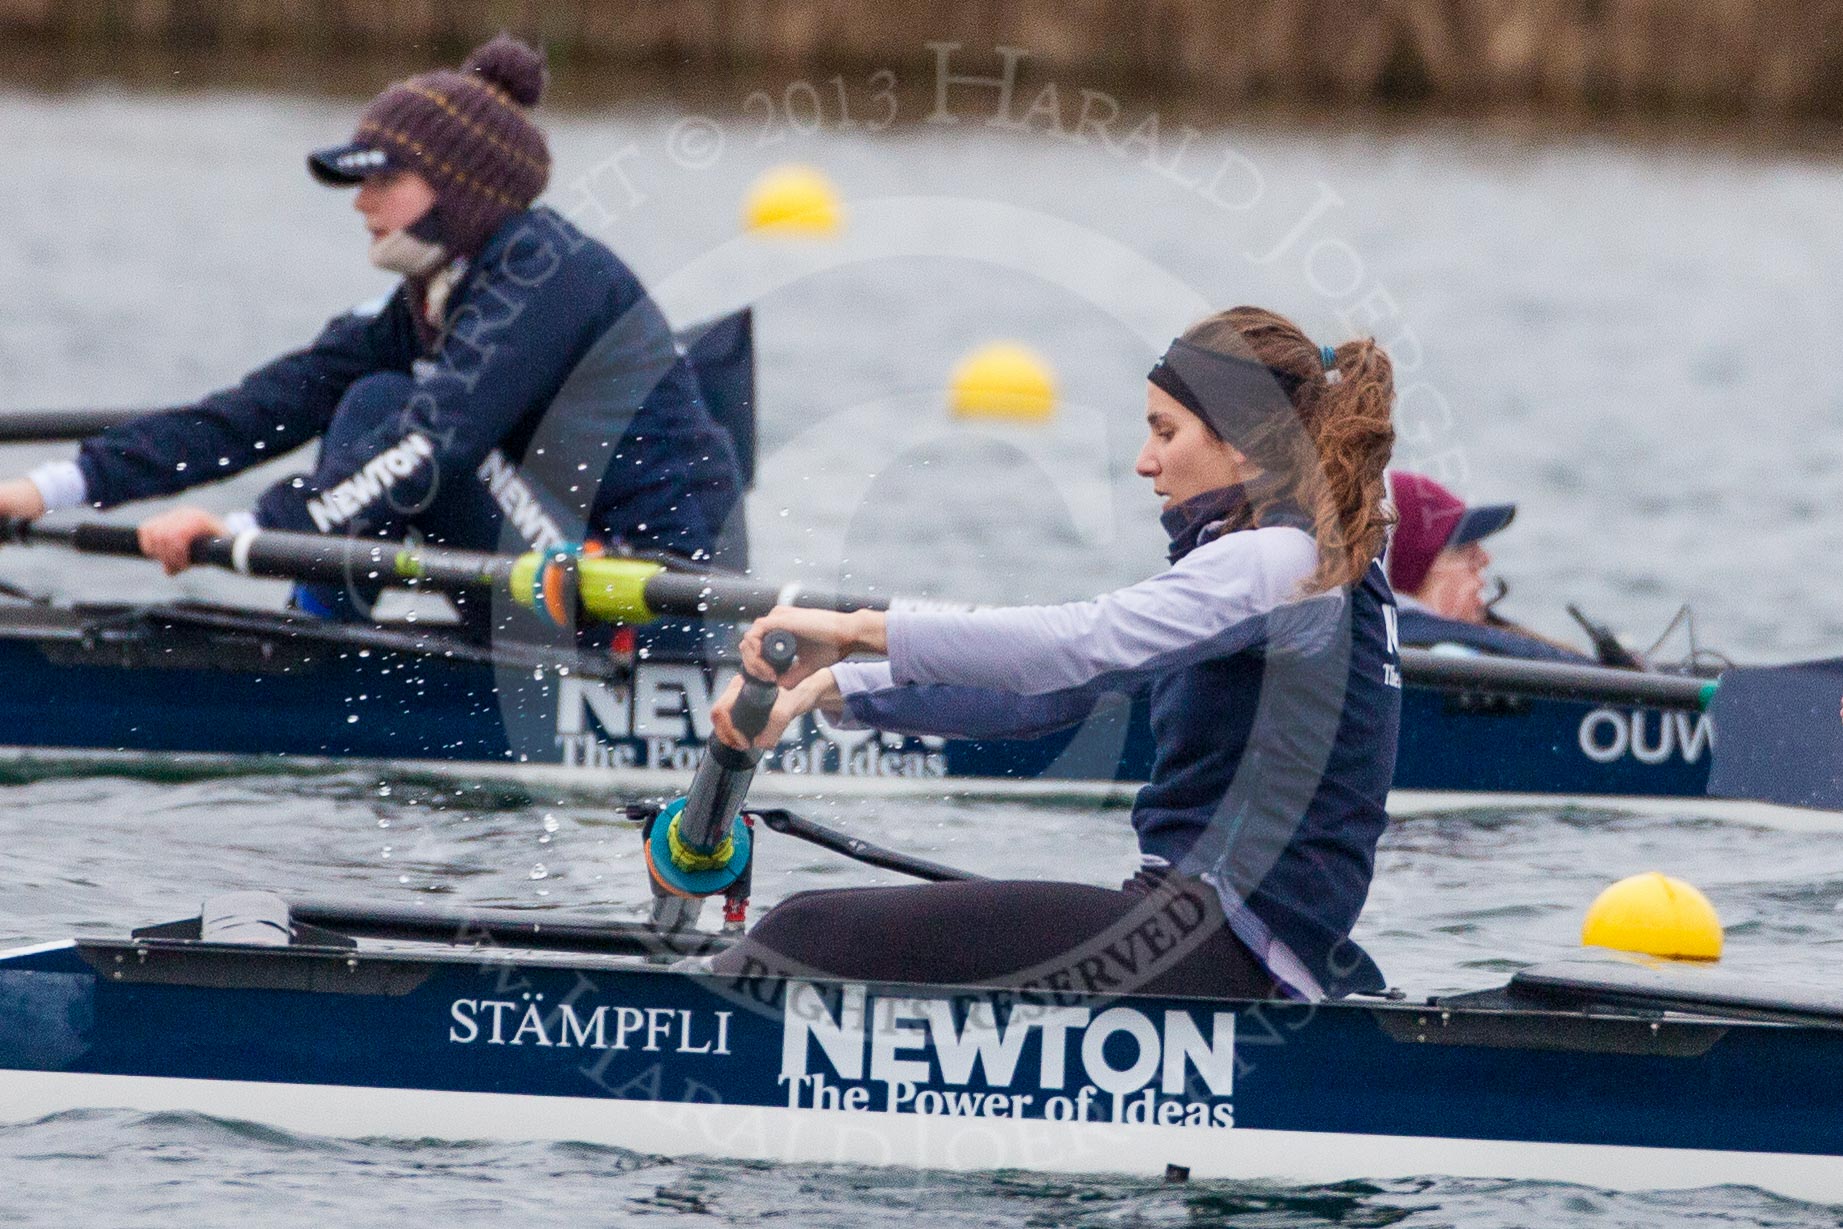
803, 913
809, 928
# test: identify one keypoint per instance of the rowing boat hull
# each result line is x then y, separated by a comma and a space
259, 686
485, 1046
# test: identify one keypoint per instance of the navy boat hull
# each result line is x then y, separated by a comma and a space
489, 1045
217, 683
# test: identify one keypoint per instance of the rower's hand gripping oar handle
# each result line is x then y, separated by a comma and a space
96, 538
755, 704
695, 848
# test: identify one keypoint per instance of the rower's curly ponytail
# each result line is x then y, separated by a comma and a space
1333, 469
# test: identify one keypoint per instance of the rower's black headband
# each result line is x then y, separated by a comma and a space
1233, 395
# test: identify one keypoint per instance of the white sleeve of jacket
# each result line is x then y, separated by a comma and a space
1210, 603
60, 485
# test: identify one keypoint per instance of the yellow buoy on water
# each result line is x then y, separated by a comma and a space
1654, 915
1003, 380
793, 200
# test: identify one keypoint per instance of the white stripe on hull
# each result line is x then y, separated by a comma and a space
665, 782
819, 1136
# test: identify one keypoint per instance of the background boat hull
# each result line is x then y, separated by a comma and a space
246, 693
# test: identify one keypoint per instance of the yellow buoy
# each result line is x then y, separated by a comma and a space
1004, 380
793, 200
1654, 915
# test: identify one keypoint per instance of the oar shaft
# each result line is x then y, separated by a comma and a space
1554, 680
291, 556
686, 594
51, 426
612, 589
622, 590
312, 557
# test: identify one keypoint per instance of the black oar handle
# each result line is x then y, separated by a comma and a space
756, 703
110, 540
90, 538
723, 775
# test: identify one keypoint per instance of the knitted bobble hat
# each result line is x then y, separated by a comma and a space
466, 131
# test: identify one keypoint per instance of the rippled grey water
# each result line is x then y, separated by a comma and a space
1632, 341
263, 1177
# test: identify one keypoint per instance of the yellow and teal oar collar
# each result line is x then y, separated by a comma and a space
609, 590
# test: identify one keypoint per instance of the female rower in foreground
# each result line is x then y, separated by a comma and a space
1269, 651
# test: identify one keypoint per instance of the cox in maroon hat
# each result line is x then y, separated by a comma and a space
1429, 519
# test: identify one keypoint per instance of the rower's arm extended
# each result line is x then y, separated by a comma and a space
1215, 601
272, 411
510, 344
1022, 671
870, 701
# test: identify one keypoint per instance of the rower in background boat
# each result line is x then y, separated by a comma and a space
1268, 650
1437, 561
519, 390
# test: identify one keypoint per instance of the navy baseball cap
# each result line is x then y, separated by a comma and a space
343, 166
1481, 522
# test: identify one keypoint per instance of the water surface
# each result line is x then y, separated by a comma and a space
1632, 342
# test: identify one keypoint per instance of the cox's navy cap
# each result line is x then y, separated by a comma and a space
342, 166
1481, 522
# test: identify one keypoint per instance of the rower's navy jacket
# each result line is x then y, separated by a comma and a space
1423, 628
1275, 720
551, 358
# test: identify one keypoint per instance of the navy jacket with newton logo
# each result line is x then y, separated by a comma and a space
554, 379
